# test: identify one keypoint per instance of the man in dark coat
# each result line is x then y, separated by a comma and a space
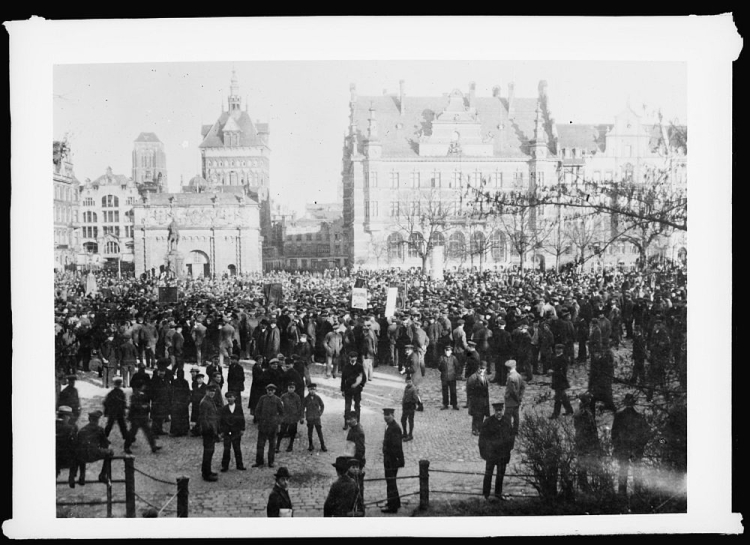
114, 409
140, 406
231, 427
141, 377
109, 359
68, 397
269, 412
92, 445
160, 392
313, 407
180, 406
413, 370
342, 496
353, 380
128, 356
472, 359
393, 459
279, 503
478, 396
496, 440
258, 385
65, 443
209, 426
601, 374
503, 348
236, 377
196, 396
291, 375
560, 382
449, 367
177, 350
630, 433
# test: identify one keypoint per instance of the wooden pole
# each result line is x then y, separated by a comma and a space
129, 486
182, 497
424, 484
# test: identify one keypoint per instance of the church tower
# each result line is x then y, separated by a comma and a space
149, 163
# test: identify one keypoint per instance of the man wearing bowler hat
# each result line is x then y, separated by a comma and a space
269, 412
496, 440
342, 496
279, 503
393, 459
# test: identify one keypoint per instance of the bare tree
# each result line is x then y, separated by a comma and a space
378, 248
422, 218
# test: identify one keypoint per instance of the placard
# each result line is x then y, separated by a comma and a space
359, 298
168, 294
390, 302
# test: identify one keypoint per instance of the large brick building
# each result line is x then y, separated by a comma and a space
404, 155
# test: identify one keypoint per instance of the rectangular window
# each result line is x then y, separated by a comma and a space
299, 237
456, 179
435, 181
309, 237
304, 263
394, 179
415, 179
373, 179
367, 210
394, 209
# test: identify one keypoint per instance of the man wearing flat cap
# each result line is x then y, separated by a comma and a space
393, 459
496, 441
231, 427
353, 380
115, 406
268, 412
69, 398
65, 443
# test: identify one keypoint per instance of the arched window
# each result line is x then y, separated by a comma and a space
478, 243
110, 201
498, 246
437, 239
112, 248
91, 247
395, 246
456, 245
416, 244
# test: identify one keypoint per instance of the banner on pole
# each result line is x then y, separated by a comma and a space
390, 302
359, 298
274, 294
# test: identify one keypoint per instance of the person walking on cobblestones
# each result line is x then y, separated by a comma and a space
65, 443
92, 445
279, 502
231, 427
313, 406
269, 411
353, 380
559, 371
414, 369
209, 426
496, 440
115, 405
515, 387
196, 396
344, 497
478, 397
393, 459
448, 366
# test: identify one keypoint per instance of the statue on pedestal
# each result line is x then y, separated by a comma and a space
173, 238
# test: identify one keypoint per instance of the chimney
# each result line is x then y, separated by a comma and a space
472, 93
496, 91
511, 96
401, 96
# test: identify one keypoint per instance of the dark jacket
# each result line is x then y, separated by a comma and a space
496, 439
393, 453
268, 412
478, 396
140, 406
449, 368
160, 392
313, 406
560, 372
208, 419
231, 422
115, 403
235, 377
92, 443
630, 433
353, 378
357, 436
342, 497
196, 395
279, 499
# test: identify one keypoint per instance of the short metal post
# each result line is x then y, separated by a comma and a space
182, 497
424, 484
109, 497
129, 486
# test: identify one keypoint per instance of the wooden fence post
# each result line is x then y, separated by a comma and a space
129, 486
182, 497
424, 484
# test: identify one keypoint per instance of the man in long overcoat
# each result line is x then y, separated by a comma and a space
496, 440
478, 396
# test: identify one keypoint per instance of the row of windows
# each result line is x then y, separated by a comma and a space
90, 231
63, 193
456, 179
65, 214
111, 247
233, 163
455, 247
318, 236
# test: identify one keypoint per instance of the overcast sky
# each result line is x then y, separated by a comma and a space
104, 107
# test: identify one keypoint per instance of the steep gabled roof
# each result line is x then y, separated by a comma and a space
399, 135
580, 136
195, 199
214, 137
147, 137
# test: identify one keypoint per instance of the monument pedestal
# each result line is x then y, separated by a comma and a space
175, 262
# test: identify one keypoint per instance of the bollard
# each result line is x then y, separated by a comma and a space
182, 497
129, 486
424, 484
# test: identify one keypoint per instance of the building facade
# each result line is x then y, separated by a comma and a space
65, 205
414, 157
106, 220
149, 163
218, 233
235, 155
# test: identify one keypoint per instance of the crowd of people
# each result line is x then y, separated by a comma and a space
506, 327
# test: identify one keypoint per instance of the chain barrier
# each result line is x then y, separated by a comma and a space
152, 477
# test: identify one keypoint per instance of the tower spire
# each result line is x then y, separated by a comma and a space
372, 128
235, 100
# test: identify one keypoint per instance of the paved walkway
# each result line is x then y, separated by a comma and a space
442, 437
